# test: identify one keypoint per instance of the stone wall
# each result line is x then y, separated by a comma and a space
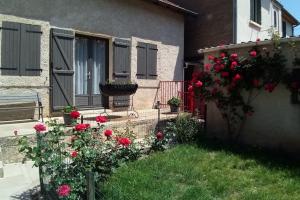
131, 19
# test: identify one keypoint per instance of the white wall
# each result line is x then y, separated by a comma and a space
289, 29
249, 31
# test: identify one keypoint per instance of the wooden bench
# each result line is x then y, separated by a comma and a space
20, 107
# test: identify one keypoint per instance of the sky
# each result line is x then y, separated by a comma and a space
293, 6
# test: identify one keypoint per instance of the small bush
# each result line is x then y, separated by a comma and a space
185, 128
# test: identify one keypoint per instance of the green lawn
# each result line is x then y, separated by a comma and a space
189, 172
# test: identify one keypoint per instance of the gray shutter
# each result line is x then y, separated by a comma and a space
10, 48
121, 72
141, 60
151, 61
62, 47
252, 8
30, 50
258, 11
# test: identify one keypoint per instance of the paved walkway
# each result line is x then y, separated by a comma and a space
20, 180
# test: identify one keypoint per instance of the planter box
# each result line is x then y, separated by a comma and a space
118, 89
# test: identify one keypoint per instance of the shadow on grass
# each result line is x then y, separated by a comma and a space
272, 159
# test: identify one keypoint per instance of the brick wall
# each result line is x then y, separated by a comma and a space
213, 26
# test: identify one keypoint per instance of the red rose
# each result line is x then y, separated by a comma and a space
80, 127
63, 190
217, 68
233, 65
124, 142
258, 40
224, 74
199, 84
40, 127
210, 57
234, 56
87, 126
101, 119
207, 67
75, 114
270, 87
190, 88
222, 55
253, 54
108, 133
74, 154
160, 136
217, 60
256, 83
237, 77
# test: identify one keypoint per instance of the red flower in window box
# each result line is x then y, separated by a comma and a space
75, 114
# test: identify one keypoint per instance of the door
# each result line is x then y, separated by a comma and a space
62, 72
90, 70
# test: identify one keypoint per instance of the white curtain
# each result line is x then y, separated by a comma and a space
81, 66
98, 65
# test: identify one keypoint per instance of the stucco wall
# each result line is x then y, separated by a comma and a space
131, 19
275, 123
248, 31
289, 29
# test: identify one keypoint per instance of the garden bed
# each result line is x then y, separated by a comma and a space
188, 172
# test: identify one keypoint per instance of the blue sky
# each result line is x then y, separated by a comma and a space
293, 6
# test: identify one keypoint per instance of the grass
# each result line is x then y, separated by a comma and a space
190, 173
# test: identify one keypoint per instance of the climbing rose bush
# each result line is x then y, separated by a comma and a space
66, 155
233, 82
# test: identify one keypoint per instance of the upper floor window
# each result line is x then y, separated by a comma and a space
255, 11
275, 19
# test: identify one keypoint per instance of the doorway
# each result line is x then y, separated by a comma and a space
91, 68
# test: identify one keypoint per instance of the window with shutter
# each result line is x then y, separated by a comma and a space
20, 49
10, 48
146, 61
255, 11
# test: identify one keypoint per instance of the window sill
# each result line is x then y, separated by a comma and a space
255, 24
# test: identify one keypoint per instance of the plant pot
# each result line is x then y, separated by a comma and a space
67, 119
118, 89
174, 109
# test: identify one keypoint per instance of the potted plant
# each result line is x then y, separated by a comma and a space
118, 88
70, 115
174, 104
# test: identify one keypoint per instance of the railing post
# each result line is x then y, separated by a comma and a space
90, 186
81, 119
158, 114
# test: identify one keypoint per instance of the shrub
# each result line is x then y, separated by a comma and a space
185, 128
66, 155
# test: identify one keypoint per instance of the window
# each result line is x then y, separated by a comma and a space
146, 61
283, 29
20, 49
275, 19
255, 11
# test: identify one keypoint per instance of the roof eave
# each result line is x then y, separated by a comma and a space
174, 7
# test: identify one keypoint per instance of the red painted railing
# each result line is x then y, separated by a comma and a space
169, 89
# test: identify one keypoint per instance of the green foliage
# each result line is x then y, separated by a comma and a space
190, 173
68, 109
174, 101
54, 153
185, 129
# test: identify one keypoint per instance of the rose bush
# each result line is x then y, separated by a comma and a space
66, 155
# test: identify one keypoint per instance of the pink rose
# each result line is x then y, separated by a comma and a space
210, 57
40, 127
234, 56
199, 84
253, 54
63, 190
233, 65
222, 55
